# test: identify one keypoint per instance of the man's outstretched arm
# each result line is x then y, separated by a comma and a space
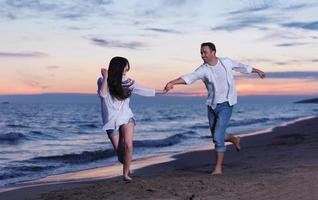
170, 84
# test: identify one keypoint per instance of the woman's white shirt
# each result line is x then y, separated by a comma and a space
117, 112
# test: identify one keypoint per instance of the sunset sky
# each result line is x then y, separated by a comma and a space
59, 46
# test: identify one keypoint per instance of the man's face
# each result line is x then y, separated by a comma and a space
206, 53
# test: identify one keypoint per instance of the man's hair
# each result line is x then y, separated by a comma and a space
210, 45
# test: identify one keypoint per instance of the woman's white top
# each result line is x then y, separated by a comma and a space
117, 112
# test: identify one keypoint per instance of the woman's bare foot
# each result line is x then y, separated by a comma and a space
217, 172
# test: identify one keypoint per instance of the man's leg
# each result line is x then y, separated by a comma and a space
235, 140
223, 113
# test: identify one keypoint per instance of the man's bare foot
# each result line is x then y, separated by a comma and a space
237, 144
127, 178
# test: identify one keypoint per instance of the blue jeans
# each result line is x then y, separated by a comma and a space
218, 121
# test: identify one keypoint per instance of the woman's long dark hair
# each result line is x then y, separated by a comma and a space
114, 79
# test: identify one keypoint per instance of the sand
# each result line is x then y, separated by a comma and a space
281, 164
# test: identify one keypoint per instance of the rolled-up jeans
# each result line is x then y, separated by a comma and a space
218, 122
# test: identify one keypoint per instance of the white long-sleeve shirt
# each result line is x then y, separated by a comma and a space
207, 74
117, 112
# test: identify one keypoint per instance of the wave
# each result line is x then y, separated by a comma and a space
172, 118
7, 175
200, 126
147, 119
89, 126
37, 132
166, 118
169, 141
84, 157
12, 137
40, 135
286, 118
248, 122
18, 171
17, 126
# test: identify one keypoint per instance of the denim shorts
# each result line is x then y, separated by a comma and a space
112, 132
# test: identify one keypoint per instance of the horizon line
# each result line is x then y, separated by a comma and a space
169, 94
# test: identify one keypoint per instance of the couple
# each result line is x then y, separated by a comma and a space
115, 88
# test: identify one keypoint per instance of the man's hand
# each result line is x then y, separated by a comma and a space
168, 87
104, 72
261, 74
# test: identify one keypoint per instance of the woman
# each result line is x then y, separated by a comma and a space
114, 90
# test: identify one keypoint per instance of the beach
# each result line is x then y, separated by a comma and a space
281, 164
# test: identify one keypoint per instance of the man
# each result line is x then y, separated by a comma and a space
217, 75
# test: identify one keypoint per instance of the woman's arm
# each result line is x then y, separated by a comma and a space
143, 91
260, 73
103, 88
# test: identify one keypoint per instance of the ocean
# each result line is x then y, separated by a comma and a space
42, 135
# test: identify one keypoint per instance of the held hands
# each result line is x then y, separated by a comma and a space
261, 74
168, 87
104, 72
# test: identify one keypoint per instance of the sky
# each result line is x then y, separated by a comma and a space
59, 46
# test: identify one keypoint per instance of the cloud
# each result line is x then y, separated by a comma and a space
117, 44
259, 14
162, 9
35, 84
280, 35
176, 3
35, 5
291, 44
312, 75
273, 62
161, 30
271, 6
237, 23
302, 25
15, 9
281, 63
23, 54
78, 28
299, 6
248, 10
295, 61
53, 67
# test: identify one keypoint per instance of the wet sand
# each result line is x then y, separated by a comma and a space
281, 164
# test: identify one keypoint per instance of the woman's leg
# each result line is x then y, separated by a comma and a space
114, 139
127, 133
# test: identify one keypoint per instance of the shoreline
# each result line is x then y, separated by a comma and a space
115, 171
